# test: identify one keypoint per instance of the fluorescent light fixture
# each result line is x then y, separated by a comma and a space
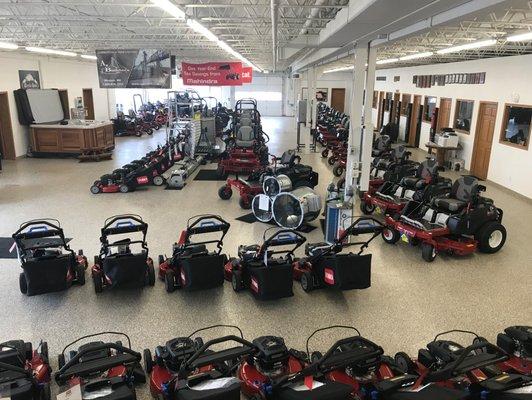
51, 51
8, 46
467, 46
388, 61
88, 57
199, 28
521, 37
170, 8
416, 56
339, 69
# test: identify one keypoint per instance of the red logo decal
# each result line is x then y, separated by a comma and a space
254, 285
328, 276
142, 179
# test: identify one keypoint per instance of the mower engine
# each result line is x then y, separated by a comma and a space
440, 353
175, 352
272, 357
248, 252
516, 340
316, 249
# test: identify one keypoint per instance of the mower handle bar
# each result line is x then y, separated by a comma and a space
205, 224
124, 356
455, 331
354, 229
284, 237
38, 229
326, 329
123, 225
97, 334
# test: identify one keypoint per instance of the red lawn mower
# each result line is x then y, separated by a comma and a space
24, 372
257, 269
117, 265
192, 266
516, 341
103, 370
48, 263
186, 368
459, 224
324, 266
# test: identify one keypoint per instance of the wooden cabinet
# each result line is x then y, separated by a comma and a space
71, 140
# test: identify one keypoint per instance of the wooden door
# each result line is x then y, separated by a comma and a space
480, 160
414, 120
88, 103
7, 143
393, 111
444, 114
379, 110
63, 96
338, 99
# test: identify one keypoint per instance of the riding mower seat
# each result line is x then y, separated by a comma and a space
381, 145
424, 174
461, 194
245, 137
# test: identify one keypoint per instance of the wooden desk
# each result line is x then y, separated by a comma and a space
72, 138
441, 151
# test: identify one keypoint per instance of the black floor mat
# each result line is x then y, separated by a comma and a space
5, 245
250, 219
207, 175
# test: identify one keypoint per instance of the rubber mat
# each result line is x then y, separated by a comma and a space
207, 175
250, 219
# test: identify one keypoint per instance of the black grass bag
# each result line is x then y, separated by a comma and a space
271, 282
203, 272
345, 271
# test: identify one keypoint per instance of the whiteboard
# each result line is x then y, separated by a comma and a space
45, 105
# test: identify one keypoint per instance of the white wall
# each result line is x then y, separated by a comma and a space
508, 80
268, 91
60, 73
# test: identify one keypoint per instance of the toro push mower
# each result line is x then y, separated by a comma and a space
116, 265
459, 224
258, 269
24, 372
48, 263
324, 266
186, 368
473, 369
103, 370
192, 266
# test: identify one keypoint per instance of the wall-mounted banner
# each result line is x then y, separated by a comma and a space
212, 74
144, 68
247, 74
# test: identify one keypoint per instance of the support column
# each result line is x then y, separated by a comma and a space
311, 105
367, 137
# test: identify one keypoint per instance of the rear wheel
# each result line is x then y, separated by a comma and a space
244, 203
307, 281
95, 189
28, 350
61, 360
366, 208
158, 180
428, 252
80, 274
23, 284
325, 153
491, 237
404, 362
390, 235
151, 275
169, 281
44, 352
148, 361
236, 281
46, 393
123, 188
225, 192
338, 170
331, 160
97, 280
161, 259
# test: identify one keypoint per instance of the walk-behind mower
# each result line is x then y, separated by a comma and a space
48, 263
392, 197
473, 369
117, 266
324, 266
192, 266
101, 370
270, 361
186, 368
459, 224
24, 372
257, 269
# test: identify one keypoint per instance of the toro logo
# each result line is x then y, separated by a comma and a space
142, 180
254, 285
328, 276
183, 277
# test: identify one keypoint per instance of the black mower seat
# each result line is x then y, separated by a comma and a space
329, 391
47, 274
413, 182
450, 204
245, 137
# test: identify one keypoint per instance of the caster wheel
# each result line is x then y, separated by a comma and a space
390, 236
225, 192
428, 252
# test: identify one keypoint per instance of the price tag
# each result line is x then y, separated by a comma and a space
404, 238
73, 393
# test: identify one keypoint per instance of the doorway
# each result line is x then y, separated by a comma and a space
7, 143
444, 114
480, 160
380, 110
414, 120
88, 103
394, 111
63, 96
338, 99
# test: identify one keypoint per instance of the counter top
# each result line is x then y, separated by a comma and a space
85, 124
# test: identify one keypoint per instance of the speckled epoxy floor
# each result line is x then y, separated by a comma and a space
408, 303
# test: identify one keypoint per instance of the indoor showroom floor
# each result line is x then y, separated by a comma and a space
408, 303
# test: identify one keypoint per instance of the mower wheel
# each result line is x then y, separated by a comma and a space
404, 362
244, 203
325, 153
23, 284
123, 188
79, 270
46, 392
28, 349
138, 133
80, 252
44, 352
390, 235
61, 360
149, 131
151, 275
428, 252
307, 281
148, 361
331, 160
338, 170
315, 356
161, 259
225, 192
491, 237
366, 208
95, 189
98, 284
158, 180
236, 281
169, 281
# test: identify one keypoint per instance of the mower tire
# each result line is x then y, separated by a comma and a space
158, 180
28, 350
97, 280
79, 270
61, 360
169, 281
338, 170
161, 259
225, 192
236, 281
491, 237
366, 208
325, 153
307, 281
390, 235
428, 252
23, 284
244, 203
148, 361
95, 189
332, 160
123, 188
151, 275
46, 392
404, 362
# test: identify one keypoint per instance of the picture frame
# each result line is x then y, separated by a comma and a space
482, 79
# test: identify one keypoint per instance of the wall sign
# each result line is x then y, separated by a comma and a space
427, 81
212, 74
144, 68
247, 74
29, 79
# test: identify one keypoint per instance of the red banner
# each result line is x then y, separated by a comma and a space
247, 74
212, 74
